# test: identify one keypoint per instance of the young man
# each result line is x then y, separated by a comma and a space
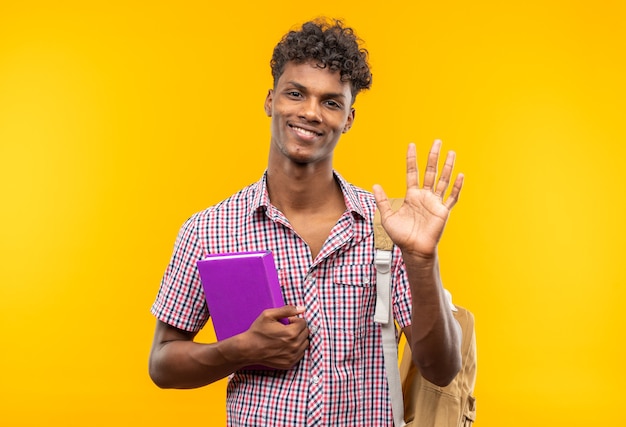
329, 358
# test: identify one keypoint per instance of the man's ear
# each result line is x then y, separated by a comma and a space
268, 102
349, 121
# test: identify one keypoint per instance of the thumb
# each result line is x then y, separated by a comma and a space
285, 311
382, 201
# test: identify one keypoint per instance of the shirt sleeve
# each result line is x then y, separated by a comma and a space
402, 290
180, 301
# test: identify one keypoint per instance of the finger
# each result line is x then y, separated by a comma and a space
412, 174
382, 202
446, 172
431, 165
284, 312
455, 192
304, 333
298, 322
295, 320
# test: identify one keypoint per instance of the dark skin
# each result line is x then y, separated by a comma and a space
311, 108
177, 361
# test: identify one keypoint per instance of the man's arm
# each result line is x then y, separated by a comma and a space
176, 361
434, 334
416, 228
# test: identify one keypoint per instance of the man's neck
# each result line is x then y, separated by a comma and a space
311, 200
303, 189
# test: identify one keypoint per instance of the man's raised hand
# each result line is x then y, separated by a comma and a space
417, 226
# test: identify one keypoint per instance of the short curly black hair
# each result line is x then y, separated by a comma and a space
330, 44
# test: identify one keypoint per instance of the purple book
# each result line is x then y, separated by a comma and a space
238, 287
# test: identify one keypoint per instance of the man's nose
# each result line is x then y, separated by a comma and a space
311, 110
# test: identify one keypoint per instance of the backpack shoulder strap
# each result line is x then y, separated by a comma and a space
384, 314
381, 238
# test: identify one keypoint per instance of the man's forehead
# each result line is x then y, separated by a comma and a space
307, 75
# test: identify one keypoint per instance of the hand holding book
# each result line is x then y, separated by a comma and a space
244, 297
271, 343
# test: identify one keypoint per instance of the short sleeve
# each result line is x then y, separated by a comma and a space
402, 290
180, 301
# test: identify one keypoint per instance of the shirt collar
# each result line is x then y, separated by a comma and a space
261, 199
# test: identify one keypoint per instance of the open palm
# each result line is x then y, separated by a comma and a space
416, 227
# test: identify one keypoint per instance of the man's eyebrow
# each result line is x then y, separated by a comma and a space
303, 88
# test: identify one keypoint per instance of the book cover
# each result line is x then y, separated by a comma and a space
238, 287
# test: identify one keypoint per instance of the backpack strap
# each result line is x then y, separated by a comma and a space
384, 314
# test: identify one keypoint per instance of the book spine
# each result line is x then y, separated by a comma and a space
271, 272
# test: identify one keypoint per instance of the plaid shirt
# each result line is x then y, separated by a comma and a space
341, 380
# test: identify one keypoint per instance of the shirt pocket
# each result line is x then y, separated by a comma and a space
361, 275
352, 299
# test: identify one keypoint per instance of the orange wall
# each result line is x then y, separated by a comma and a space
119, 121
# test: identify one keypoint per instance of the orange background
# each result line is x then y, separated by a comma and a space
118, 120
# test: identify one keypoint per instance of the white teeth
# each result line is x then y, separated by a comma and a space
304, 131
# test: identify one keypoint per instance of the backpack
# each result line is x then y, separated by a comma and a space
416, 401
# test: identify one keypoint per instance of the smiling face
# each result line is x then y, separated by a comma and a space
310, 108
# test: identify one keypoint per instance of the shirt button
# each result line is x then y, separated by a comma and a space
315, 379
313, 329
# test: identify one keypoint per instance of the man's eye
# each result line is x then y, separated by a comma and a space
294, 94
333, 104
